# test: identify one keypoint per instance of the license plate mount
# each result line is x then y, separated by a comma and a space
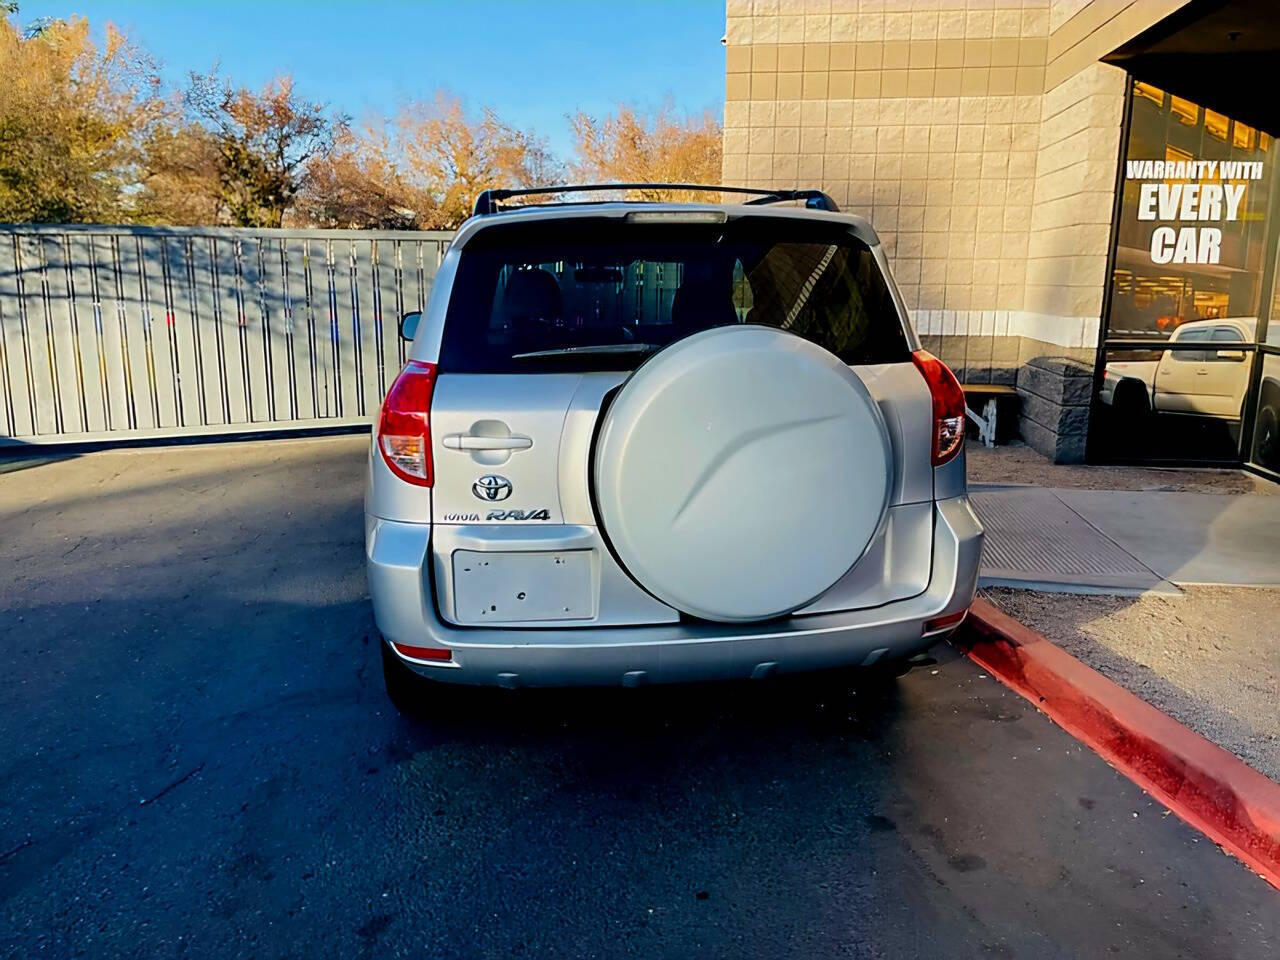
523, 586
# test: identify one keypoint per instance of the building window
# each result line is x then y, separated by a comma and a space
1193, 219
1189, 267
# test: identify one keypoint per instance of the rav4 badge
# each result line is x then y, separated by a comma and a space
543, 514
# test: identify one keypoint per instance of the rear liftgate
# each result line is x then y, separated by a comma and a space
738, 475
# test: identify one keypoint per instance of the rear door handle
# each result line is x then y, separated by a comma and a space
467, 441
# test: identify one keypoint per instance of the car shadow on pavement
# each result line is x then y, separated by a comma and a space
811, 704
198, 728
17, 455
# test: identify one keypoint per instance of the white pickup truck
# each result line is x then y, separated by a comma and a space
1212, 382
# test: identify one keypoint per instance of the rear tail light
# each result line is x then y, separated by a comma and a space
423, 653
948, 406
404, 426
948, 622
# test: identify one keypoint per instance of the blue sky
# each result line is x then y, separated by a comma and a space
532, 62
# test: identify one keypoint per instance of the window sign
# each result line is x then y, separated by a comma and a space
1190, 193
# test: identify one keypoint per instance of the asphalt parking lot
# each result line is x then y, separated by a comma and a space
197, 758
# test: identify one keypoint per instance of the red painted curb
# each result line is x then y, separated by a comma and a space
1211, 789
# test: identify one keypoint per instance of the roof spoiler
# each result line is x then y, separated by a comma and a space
490, 201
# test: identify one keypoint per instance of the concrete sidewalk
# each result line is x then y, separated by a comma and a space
1126, 541
1186, 621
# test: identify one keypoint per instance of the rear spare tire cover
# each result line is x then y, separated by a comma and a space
740, 472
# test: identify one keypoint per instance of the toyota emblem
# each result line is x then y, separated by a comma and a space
492, 488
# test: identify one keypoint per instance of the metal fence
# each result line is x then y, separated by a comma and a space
125, 332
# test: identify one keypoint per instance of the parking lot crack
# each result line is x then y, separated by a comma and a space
16, 848
176, 783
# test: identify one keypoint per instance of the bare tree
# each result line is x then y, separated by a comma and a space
264, 142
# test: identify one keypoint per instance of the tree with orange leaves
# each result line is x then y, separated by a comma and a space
423, 167
74, 118
631, 147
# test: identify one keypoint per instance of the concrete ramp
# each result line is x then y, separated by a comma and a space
1036, 541
1126, 540
1190, 538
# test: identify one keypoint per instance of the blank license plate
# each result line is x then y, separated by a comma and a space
511, 587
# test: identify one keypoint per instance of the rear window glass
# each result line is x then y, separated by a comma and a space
600, 294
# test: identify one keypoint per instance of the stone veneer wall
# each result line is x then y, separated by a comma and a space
979, 137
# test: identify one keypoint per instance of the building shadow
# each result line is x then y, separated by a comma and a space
16, 455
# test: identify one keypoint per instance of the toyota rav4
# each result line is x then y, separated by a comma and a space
650, 442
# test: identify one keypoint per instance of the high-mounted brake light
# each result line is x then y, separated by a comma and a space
676, 216
404, 426
948, 406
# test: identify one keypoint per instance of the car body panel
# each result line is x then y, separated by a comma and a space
400, 583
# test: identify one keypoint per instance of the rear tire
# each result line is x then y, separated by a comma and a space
1131, 403
1267, 436
1131, 416
406, 689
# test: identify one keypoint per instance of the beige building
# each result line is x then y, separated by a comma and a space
983, 139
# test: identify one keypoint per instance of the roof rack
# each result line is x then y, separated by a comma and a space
489, 201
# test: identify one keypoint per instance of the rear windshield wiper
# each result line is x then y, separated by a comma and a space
603, 348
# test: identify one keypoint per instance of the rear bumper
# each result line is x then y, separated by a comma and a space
399, 563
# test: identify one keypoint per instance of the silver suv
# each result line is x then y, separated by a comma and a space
650, 442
